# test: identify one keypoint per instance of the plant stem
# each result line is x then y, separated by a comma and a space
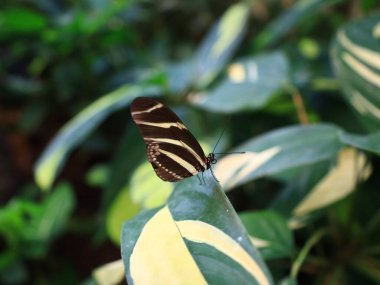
305, 250
298, 103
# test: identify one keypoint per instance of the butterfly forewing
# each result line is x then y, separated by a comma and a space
172, 150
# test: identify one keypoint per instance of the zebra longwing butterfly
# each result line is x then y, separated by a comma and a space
171, 149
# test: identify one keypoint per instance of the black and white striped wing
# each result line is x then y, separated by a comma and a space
171, 149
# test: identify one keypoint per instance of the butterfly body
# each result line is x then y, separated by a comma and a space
171, 149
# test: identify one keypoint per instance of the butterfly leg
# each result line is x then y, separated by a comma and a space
200, 181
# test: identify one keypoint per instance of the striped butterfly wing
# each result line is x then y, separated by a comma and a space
171, 149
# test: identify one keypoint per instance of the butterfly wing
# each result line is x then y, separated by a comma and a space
172, 150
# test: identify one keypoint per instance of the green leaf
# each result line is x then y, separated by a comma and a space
277, 151
356, 59
51, 220
302, 10
19, 20
197, 236
250, 83
122, 209
220, 44
370, 142
147, 189
272, 231
52, 159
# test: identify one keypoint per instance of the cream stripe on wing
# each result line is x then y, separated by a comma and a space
179, 143
162, 125
180, 161
149, 110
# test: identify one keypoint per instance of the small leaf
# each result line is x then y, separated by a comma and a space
251, 82
272, 228
98, 175
109, 274
52, 159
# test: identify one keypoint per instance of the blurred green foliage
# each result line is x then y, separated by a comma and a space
68, 71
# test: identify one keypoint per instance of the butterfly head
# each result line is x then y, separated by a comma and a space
210, 159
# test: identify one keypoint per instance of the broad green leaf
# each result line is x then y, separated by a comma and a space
302, 10
180, 75
249, 84
350, 169
109, 274
220, 44
356, 58
20, 20
272, 228
146, 189
197, 236
122, 209
277, 151
370, 142
52, 159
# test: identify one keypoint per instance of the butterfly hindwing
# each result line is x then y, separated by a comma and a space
172, 150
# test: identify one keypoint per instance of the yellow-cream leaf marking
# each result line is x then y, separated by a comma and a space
368, 56
229, 28
160, 255
361, 69
376, 31
339, 182
201, 232
363, 105
233, 169
236, 73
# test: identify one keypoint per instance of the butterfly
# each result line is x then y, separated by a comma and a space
172, 150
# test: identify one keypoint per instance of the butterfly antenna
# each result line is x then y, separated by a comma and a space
218, 140
213, 175
229, 152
